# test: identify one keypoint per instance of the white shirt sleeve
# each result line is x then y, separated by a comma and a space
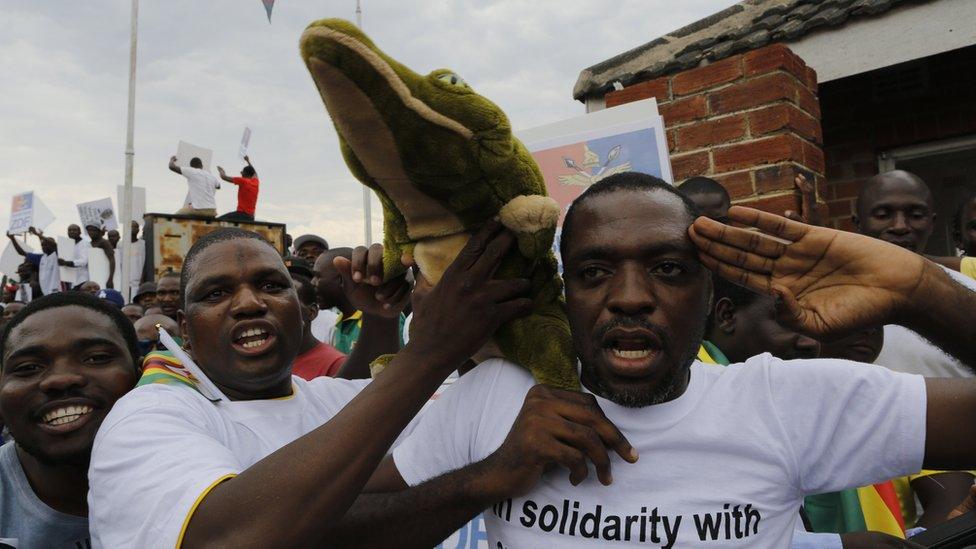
81, 254
151, 465
466, 423
848, 424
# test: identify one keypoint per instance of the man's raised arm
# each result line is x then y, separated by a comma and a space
173, 166
829, 283
311, 495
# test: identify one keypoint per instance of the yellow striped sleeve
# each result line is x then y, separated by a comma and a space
193, 508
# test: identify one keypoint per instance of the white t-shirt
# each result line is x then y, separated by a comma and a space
49, 274
728, 462
906, 351
80, 260
202, 185
164, 446
324, 325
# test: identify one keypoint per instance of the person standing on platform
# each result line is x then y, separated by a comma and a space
202, 186
247, 192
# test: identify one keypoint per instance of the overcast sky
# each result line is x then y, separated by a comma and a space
207, 69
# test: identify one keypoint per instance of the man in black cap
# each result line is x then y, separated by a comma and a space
145, 295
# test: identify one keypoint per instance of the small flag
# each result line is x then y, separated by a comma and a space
268, 6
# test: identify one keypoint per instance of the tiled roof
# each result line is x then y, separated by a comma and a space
748, 25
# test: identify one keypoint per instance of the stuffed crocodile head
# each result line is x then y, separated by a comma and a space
441, 158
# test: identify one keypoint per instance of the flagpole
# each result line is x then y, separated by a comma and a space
367, 213
126, 220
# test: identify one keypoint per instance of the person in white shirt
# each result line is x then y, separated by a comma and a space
274, 460
200, 199
80, 259
726, 454
48, 273
137, 260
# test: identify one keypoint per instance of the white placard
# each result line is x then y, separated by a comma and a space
245, 142
99, 213
42, 215
138, 202
10, 259
21, 212
66, 250
187, 151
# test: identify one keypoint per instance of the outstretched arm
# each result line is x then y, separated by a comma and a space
249, 509
223, 175
173, 166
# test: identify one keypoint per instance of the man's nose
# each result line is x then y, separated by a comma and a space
631, 292
900, 225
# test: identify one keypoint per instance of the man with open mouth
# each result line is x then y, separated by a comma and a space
726, 452
263, 458
66, 359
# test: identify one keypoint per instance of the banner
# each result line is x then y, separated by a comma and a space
245, 141
21, 212
576, 153
10, 259
187, 151
138, 202
99, 213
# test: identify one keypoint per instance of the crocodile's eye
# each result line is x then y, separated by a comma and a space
452, 79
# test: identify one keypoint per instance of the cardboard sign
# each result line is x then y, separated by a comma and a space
21, 212
66, 250
99, 213
245, 141
138, 202
187, 151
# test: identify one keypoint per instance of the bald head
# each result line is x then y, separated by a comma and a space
896, 207
146, 326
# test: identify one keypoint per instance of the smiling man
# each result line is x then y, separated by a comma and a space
726, 453
56, 386
275, 450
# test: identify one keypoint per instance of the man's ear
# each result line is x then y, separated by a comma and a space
724, 317
181, 320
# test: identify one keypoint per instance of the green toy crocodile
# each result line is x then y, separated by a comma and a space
443, 161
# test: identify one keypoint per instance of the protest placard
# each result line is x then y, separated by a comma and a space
138, 202
10, 259
99, 213
21, 212
187, 151
245, 142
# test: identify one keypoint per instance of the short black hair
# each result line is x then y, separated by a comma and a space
196, 163
209, 239
625, 181
704, 185
306, 292
740, 296
78, 299
248, 171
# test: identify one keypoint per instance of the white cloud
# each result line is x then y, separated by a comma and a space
207, 69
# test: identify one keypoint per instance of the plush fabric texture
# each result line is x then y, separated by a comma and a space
443, 161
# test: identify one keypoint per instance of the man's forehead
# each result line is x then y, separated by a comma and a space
74, 323
167, 283
234, 257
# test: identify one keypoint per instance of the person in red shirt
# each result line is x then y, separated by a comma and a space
247, 192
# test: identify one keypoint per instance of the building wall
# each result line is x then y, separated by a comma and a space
864, 115
751, 121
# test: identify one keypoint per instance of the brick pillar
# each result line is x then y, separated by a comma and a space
749, 121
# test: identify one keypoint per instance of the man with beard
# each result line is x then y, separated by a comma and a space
897, 207
276, 460
726, 453
56, 386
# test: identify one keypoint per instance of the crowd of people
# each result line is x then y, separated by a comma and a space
749, 380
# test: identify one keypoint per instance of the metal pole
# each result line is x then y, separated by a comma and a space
129, 157
367, 212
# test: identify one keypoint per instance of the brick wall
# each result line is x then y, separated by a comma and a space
749, 121
859, 123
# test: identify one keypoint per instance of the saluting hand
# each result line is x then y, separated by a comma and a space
829, 282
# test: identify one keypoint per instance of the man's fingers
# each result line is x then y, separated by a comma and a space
756, 282
374, 264
586, 439
585, 410
572, 459
505, 290
486, 265
707, 232
394, 296
510, 310
476, 245
732, 256
768, 223
359, 263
